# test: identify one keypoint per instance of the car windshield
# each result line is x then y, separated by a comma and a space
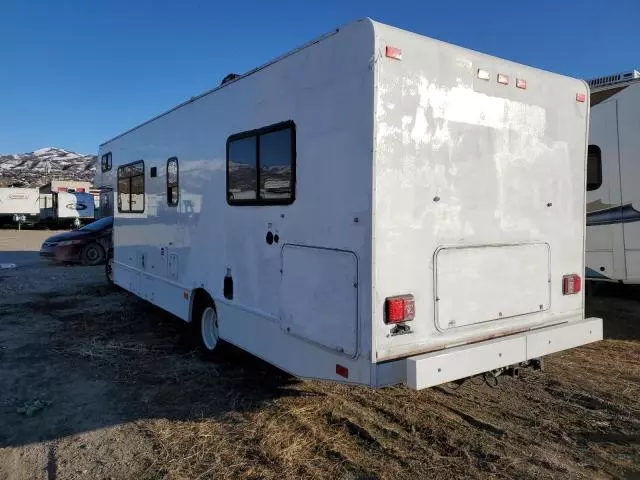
101, 224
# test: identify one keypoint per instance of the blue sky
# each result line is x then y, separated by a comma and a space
75, 73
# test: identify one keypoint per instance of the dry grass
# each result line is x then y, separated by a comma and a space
241, 418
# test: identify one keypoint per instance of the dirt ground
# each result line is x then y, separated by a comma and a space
97, 384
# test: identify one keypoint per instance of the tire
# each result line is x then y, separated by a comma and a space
92, 254
108, 270
205, 328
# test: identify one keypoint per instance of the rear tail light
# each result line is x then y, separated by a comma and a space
400, 309
571, 284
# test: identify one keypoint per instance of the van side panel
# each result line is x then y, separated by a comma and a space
479, 191
326, 90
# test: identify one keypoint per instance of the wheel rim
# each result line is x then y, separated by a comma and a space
92, 254
209, 328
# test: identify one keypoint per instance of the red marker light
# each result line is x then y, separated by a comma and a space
580, 97
342, 371
393, 52
521, 83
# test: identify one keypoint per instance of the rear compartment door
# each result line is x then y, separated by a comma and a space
496, 282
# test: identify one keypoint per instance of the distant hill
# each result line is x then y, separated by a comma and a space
34, 169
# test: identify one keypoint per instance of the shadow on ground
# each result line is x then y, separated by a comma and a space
617, 305
94, 357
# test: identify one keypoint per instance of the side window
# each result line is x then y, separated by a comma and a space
106, 162
594, 168
261, 166
131, 188
172, 182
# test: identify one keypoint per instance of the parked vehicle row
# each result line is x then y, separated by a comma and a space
29, 207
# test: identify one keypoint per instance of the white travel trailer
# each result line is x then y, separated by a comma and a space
74, 207
66, 208
613, 198
104, 182
19, 203
375, 207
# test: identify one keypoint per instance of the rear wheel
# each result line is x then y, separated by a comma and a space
92, 254
205, 327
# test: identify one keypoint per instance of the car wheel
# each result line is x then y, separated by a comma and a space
92, 254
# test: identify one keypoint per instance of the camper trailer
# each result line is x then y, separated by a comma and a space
19, 206
613, 198
104, 182
375, 207
66, 209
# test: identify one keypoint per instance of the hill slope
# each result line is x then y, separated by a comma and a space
36, 168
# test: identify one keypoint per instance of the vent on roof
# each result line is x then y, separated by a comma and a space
228, 78
613, 79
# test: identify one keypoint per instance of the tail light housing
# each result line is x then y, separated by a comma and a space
399, 309
571, 284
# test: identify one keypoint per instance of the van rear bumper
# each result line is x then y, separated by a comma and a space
435, 368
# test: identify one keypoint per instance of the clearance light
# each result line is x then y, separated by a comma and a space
580, 97
483, 74
393, 52
503, 79
521, 83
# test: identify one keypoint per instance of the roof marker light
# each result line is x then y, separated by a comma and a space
483, 74
580, 97
393, 52
521, 83
503, 79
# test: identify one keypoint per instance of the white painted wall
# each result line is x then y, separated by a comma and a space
465, 162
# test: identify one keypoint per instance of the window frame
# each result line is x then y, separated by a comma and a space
276, 127
598, 151
119, 177
177, 184
106, 162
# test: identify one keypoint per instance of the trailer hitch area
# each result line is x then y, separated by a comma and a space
491, 377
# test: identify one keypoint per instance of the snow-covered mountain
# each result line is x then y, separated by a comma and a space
34, 169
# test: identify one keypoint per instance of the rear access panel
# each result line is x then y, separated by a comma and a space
320, 296
475, 284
